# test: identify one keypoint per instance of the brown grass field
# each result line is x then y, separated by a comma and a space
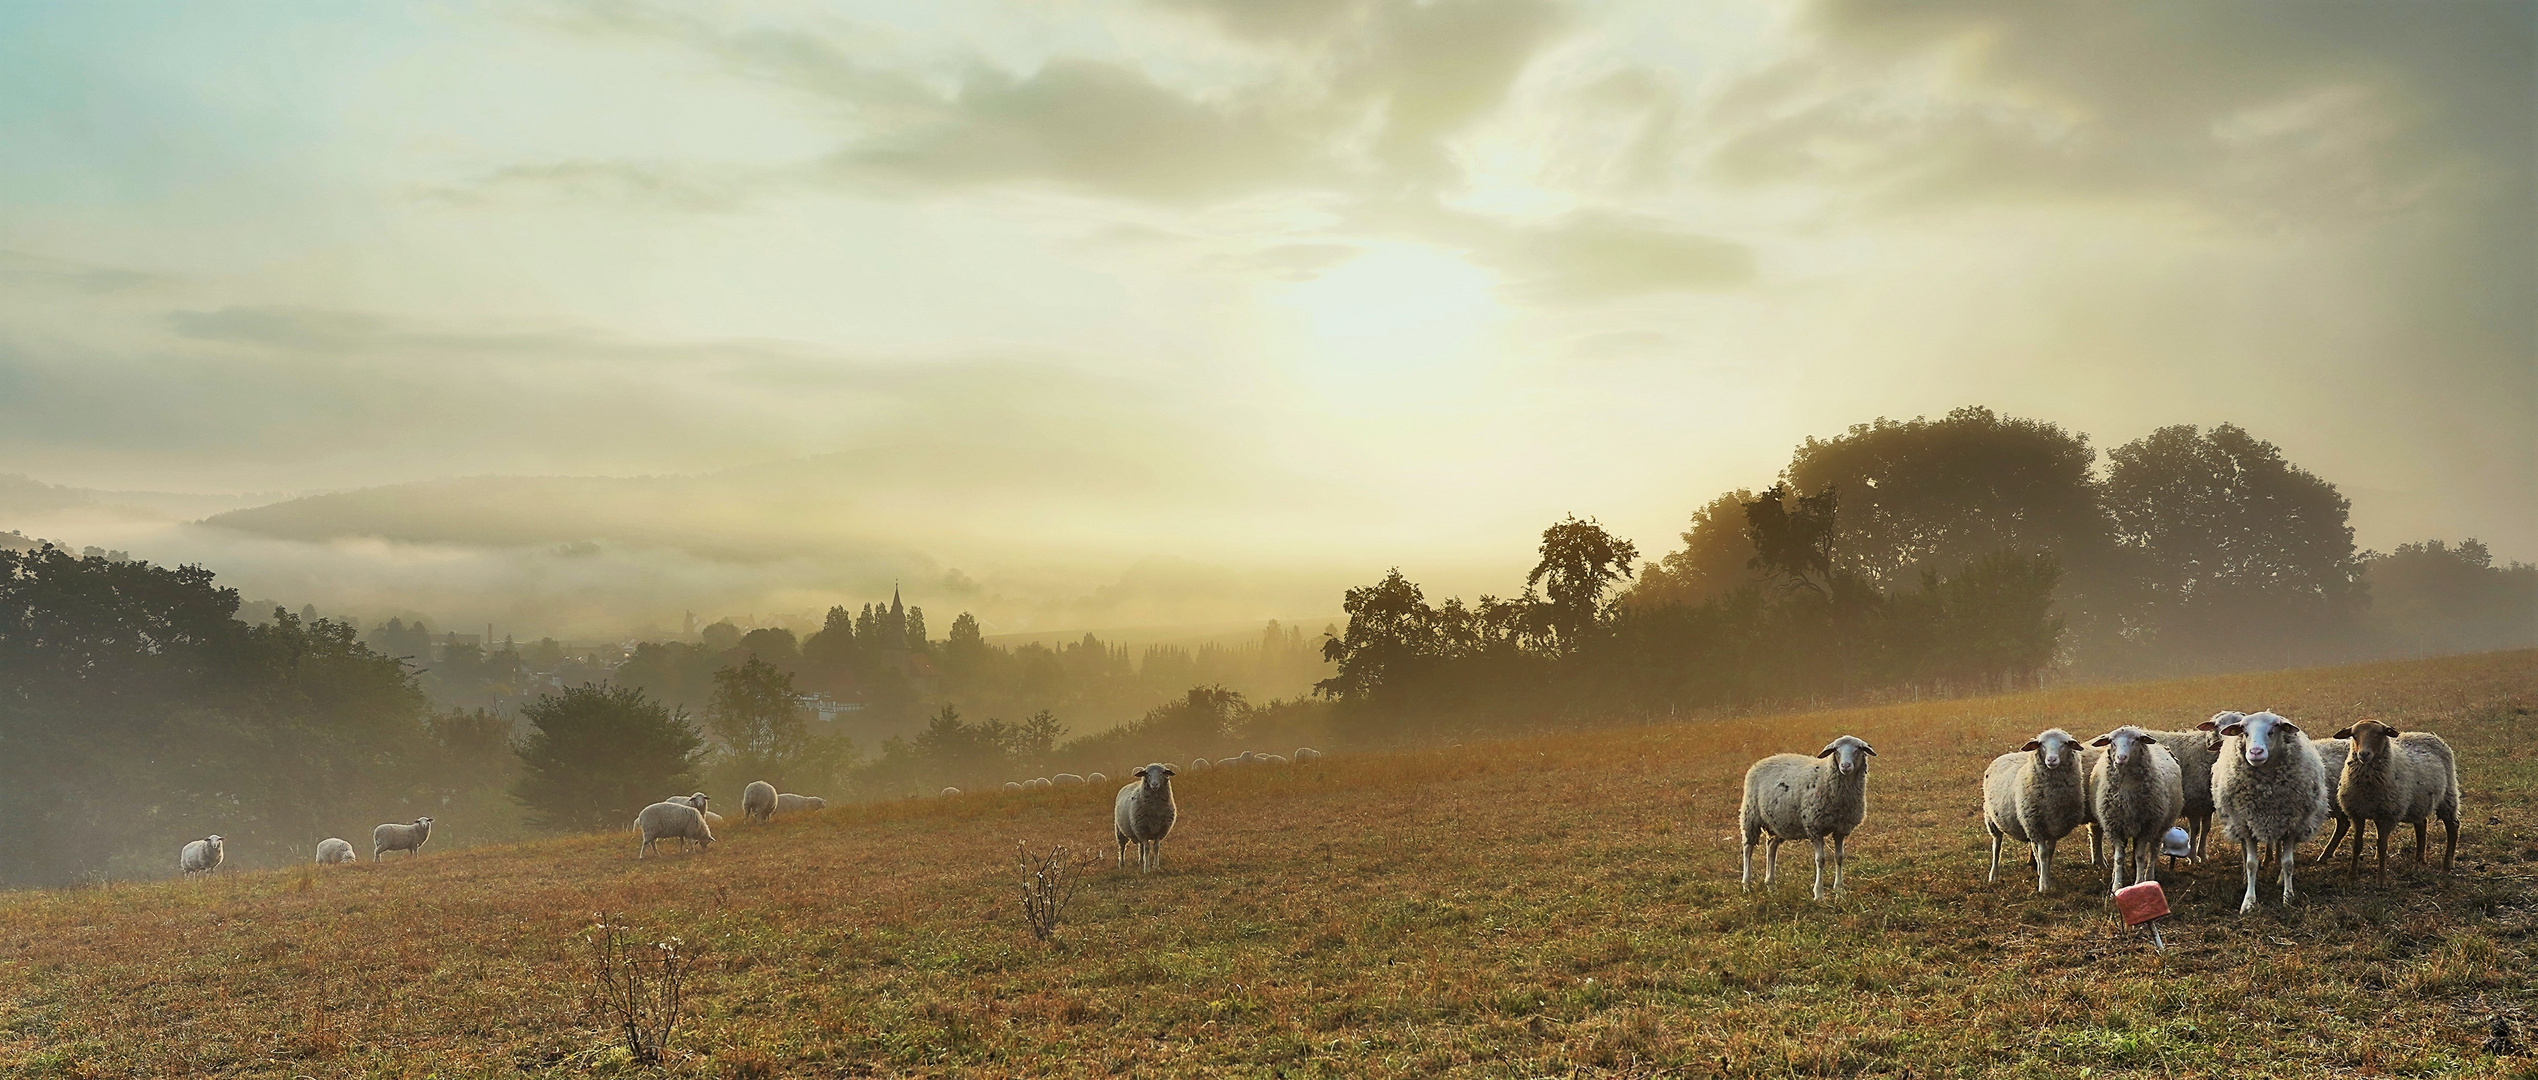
1555, 906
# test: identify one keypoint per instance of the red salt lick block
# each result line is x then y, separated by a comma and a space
2141, 903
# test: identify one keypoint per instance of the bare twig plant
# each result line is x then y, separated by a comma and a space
1048, 882
637, 985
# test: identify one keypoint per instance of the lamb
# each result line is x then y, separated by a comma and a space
2394, 776
670, 819
2135, 794
950, 791
1792, 797
1143, 814
1066, 779
335, 850
1305, 754
758, 801
395, 837
789, 803
2270, 792
2196, 749
201, 856
2034, 796
1096, 779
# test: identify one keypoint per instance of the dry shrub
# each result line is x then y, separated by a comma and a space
1048, 882
639, 988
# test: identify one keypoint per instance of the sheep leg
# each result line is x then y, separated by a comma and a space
2097, 846
1840, 860
1994, 877
2449, 840
1771, 864
2383, 850
2419, 841
2118, 860
1745, 867
2289, 853
2341, 823
1819, 867
2042, 852
2248, 856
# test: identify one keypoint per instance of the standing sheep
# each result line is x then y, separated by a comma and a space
1305, 754
395, 837
1011, 786
2034, 796
1793, 797
673, 818
1143, 814
2332, 754
334, 851
1197, 764
2135, 795
2196, 749
790, 803
1096, 779
201, 856
2396, 776
758, 801
1067, 779
950, 791
2270, 792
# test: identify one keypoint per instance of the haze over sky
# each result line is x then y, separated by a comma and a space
1285, 290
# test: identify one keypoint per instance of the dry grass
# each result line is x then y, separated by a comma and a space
1556, 906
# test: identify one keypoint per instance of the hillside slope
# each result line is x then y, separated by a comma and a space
1542, 907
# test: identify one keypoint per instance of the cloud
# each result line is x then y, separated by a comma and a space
674, 185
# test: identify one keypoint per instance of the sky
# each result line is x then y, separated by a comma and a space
1162, 311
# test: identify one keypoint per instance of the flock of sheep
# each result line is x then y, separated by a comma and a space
203, 856
2270, 785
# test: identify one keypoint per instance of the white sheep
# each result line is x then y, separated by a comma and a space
1143, 814
790, 803
1197, 764
1096, 779
1036, 783
1271, 759
1305, 754
1792, 796
950, 791
1011, 786
669, 819
201, 856
2196, 749
758, 801
2034, 796
2270, 792
1067, 779
2135, 794
2395, 776
395, 837
335, 850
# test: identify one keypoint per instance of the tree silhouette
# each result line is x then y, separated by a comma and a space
597, 754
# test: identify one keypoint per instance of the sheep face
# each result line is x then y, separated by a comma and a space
423, 821
1849, 754
2055, 749
2264, 733
2219, 720
1157, 776
2371, 741
2124, 744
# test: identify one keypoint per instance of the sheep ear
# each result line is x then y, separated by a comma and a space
1171, 772
1141, 772
2031, 745
1826, 752
2101, 740
2148, 739
2207, 726
2235, 729
2347, 733
1868, 750
2288, 726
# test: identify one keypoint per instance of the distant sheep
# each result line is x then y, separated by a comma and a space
2135, 794
2034, 796
1792, 797
1096, 779
1011, 786
395, 837
1036, 783
1271, 759
672, 819
2270, 792
758, 801
201, 856
1067, 779
1305, 754
1197, 763
950, 791
1143, 815
790, 803
335, 851
2396, 776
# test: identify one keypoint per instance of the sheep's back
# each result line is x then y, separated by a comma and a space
1775, 793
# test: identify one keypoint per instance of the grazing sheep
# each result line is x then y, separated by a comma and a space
1066, 779
1036, 783
2270, 792
1011, 786
1305, 754
790, 803
2135, 795
1271, 759
201, 856
950, 791
2395, 776
2196, 749
670, 819
395, 837
758, 801
1197, 763
335, 850
1096, 779
2034, 796
1792, 796
1143, 814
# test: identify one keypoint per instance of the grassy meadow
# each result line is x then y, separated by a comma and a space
1552, 906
